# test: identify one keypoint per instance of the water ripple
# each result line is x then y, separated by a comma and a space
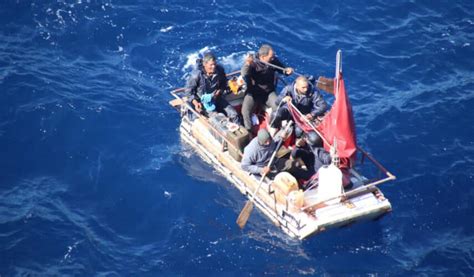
96, 182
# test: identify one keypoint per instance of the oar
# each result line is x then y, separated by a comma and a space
283, 69
278, 67
248, 208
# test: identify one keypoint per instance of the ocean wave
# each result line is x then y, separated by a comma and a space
95, 180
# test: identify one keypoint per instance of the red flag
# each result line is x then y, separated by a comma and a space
339, 124
299, 120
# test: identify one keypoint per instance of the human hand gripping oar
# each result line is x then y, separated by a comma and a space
248, 208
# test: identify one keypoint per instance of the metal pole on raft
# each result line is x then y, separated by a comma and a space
338, 68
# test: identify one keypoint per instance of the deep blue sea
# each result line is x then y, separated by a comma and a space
94, 180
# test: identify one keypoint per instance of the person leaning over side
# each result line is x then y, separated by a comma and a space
303, 95
206, 87
311, 153
260, 79
257, 155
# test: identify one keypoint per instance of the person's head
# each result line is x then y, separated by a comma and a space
209, 63
301, 85
264, 137
266, 53
313, 139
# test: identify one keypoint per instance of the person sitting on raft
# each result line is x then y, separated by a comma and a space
257, 155
313, 155
303, 95
206, 87
260, 79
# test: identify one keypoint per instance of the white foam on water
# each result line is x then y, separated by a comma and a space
167, 194
233, 61
166, 29
192, 57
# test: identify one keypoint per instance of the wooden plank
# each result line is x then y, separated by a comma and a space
177, 102
326, 84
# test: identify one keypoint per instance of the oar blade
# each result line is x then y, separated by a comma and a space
326, 84
245, 214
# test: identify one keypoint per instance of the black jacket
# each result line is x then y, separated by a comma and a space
200, 83
260, 78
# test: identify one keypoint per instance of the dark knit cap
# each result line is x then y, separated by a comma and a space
263, 136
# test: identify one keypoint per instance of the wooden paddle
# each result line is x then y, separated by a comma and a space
326, 84
321, 80
248, 208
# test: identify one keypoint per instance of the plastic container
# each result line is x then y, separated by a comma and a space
330, 184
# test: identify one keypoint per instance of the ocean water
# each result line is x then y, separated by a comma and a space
94, 180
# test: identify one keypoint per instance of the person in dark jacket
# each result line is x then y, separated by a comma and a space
313, 155
257, 155
302, 94
206, 87
260, 79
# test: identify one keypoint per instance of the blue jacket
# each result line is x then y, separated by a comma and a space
257, 156
200, 83
312, 102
